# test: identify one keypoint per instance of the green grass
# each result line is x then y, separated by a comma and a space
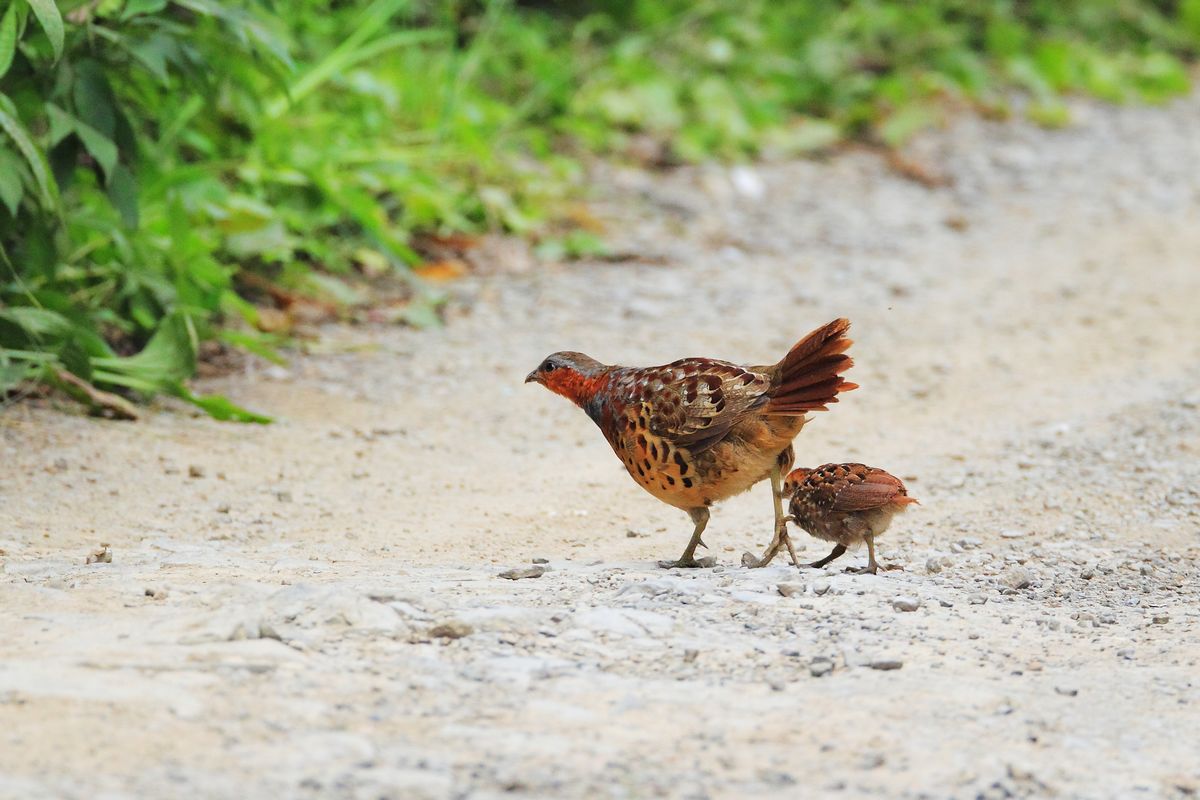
170, 170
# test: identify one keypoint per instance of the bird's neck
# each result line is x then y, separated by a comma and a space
583, 389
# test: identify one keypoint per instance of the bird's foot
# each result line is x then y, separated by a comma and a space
869, 569
689, 563
778, 542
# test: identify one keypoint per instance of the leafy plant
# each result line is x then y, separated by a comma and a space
176, 171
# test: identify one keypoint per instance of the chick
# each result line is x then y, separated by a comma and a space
845, 504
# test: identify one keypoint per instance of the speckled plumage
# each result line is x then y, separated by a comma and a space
697, 430
845, 504
688, 433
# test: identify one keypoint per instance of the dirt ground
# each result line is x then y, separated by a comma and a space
313, 608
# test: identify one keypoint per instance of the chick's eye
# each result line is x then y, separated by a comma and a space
549, 366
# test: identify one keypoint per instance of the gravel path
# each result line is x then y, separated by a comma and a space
314, 608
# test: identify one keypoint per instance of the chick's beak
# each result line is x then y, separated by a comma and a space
532, 377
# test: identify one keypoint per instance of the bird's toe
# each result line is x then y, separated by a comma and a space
689, 563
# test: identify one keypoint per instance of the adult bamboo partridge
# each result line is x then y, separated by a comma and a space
696, 431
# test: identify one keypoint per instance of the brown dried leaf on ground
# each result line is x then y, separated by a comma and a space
441, 271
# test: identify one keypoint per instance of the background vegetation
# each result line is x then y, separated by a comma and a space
178, 171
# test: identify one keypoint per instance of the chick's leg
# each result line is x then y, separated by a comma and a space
688, 559
872, 566
837, 551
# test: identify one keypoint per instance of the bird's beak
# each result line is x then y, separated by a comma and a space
532, 377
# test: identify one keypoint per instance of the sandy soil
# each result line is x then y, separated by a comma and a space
313, 608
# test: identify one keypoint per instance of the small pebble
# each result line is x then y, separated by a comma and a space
518, 573
1017, 578
886, 664
820, 586
819, 667
1065, 692
454, 629
195, 471
790, 589
906, 603
540, 561
101, 555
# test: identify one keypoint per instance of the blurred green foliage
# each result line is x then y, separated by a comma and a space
154, 153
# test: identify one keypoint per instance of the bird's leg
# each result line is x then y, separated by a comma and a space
688, 559
781, 531
781, 538
835, 553
872, 566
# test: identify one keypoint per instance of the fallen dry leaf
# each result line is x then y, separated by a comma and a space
441, 271
916, 171
272, 320
581, 217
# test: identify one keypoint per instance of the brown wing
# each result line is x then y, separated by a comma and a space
694, 402
865, 496
867, 488
851, 487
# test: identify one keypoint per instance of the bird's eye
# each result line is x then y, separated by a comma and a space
549, 366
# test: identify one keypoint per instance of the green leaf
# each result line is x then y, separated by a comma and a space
37, 323
99, 146
154, 53
47, 13
10, 123
123, 194
260, 344
74, 356
1189, 17
11, 187
95, 102
1051, 114
8, 38
135, 8
900, 127
804, 136
62, 124
220, 407
349, 54
169, 357
13, 372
